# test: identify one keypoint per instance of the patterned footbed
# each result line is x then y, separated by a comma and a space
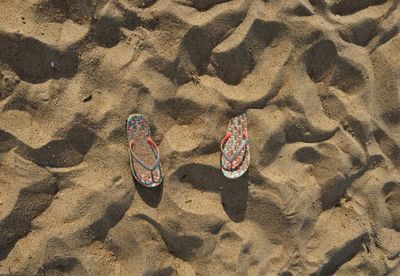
138, 129
241, 163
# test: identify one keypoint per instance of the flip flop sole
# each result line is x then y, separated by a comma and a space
236, 126
151, 179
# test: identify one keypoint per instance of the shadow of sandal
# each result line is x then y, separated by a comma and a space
151, 196
234, 192
234, 196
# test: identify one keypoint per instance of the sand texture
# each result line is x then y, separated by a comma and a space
319, 81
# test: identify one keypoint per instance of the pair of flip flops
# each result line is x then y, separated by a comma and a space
235, 149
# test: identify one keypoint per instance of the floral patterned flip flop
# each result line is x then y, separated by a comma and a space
141, 144
235, 148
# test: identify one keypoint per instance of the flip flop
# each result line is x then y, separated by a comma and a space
235, 148
141, 144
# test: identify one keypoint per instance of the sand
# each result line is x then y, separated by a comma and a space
319, 81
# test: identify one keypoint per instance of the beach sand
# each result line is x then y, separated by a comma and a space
319, 81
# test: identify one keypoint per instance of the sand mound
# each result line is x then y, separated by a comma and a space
318, 79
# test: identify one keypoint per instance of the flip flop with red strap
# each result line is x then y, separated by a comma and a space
142, 152
235, 148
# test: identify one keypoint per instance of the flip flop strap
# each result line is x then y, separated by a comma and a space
235, 154
141, 162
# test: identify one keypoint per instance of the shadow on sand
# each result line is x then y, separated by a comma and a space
234, 192
151, 196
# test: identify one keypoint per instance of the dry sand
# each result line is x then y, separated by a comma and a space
319, 81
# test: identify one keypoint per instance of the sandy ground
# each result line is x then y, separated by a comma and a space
319, 81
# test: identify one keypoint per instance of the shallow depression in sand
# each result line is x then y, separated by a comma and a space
182, 138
